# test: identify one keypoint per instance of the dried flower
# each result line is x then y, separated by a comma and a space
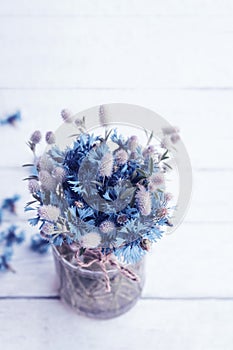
66, 116
50, 137
170, 130
161, 212
49, 212
33, 186
166, 142
106, 165
133, 143
107, 226
143, 200
47, 228
121, 219
45, 163
91, 240
156, 181
36, 137
168, 196
59, 173
150, 150
175, 138
48, 183
145, 244
102, 116
121, 157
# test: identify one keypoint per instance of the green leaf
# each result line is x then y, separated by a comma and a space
127, 193
150, 137
169, 166
164, 156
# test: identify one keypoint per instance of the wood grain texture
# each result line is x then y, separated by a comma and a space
177, 52
201, 325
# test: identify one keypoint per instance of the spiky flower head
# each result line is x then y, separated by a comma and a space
50, 137
121, 157
91, 240
66, 115
133, 143
59, 173
156, 181
33, 186
36, 137
143, 200
106, 165
107, 226
48, 183
49, 212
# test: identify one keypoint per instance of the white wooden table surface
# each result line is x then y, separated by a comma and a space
175, 57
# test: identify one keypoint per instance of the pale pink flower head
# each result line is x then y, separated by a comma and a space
50, 137
143, 200
66, 115
149, 151
106, 165
48, 183
121, 157
156, 181
36, 137
133, 143
33, 186
59, 173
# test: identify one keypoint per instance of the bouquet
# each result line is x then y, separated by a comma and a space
102, 201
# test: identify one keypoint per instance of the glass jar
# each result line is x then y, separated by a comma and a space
84, 288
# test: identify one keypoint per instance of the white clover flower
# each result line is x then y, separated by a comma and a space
156, 181
36, 137
33, 186
48, 183
91, 240
50, 138
121, 157
49, 212
106, 165
66, 116
143, 200
59, 173
107, 226
133, 143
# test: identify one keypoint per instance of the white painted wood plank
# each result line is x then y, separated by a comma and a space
202, 325
195, 261
204, 117
116, 52
113, 8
